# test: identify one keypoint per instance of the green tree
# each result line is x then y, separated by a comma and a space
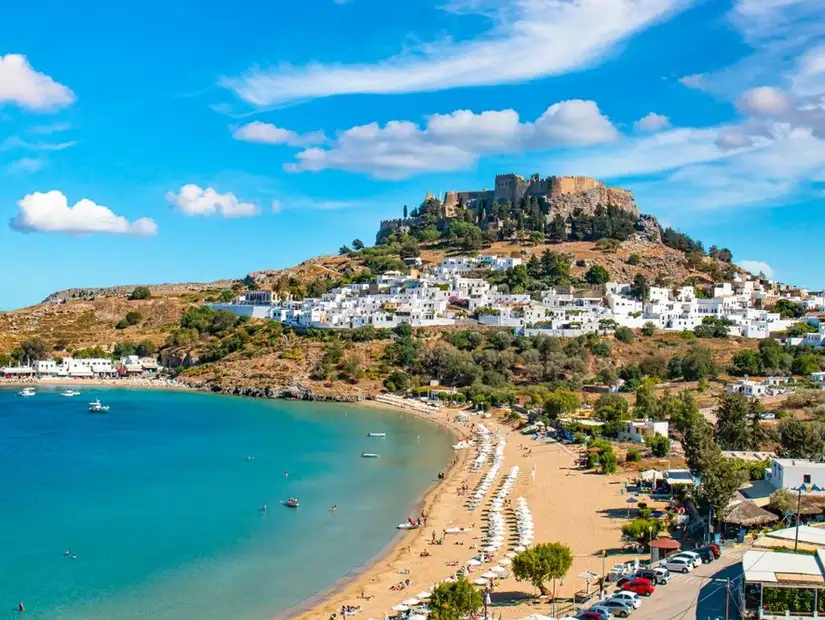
659, 445
646, 403
634, 259
542, 563
146, 348
344, 250
133, 317
141, 292
454, 601
698, 364
702, 453
357, 245
597, 275
34, 349
732, 422
640, 289
782, 502
642, 530
560, 402
648, 329
405, 212
608, 462
800, 440
720, 484
122, 324
805, 363
747, 362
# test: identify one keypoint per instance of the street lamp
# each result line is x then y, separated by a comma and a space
802, 487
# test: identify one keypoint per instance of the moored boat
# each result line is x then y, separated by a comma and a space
69, 393
29, 391
291, 503
370, 455
376, 434
97, 407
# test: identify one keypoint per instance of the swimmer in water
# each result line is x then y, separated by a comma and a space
74, 556
263, 508
20, 607
334, 507
286, 474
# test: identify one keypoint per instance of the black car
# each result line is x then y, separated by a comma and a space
706, 553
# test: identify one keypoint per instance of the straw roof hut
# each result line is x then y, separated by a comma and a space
811, 505
748, 514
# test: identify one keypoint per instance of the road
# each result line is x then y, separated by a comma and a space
699, 595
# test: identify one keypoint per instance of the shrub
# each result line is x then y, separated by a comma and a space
659, 445
133, 318
633, 455
634, 259
648, 329
122, 324
140, 292
623, 334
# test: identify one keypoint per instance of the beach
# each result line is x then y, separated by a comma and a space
580, 509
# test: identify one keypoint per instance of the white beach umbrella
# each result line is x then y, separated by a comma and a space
520, 548
489, 575
510, 554
423, 595
473, 562
480, 581
498, 570
400, 608
490, 548
506, 562
411, 602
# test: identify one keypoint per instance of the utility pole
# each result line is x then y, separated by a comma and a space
798, 508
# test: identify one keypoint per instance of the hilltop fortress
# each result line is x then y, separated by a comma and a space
561, 194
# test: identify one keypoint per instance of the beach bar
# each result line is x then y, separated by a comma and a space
786, 586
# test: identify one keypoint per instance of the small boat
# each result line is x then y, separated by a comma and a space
376, 434
370, 455
291, 503
29, 391
69, 393
406, 526
97, 407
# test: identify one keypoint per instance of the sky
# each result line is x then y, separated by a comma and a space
192, 141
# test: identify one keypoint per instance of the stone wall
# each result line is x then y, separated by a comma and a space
571, 185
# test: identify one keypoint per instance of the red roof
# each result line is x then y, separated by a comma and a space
666, 544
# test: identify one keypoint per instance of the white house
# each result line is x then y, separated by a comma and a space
792, 473
639, 431
46, 368
751, 389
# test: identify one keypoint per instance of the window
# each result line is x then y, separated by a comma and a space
806, 478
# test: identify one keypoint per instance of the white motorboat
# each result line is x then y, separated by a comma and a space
406, 526
97, 407
69, 393
370, 455
29, 391
376, 434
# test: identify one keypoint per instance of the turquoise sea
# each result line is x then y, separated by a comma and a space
162, 507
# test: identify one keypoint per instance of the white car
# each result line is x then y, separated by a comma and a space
679, 564
630, 597
619, 609
697, 559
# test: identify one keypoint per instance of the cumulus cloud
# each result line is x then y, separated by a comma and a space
452, 141
266, 133
757, 266
527, 39
652, 123
50, 212
22, 85
193, 200
764, 101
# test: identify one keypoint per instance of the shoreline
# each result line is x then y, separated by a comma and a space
346, 585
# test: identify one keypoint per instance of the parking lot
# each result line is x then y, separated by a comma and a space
698, 595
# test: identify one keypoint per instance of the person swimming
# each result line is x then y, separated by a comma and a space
286, 474
263, 507
20, 607
334, 507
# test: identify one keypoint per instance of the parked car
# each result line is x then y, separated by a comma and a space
660, 575
625, 579
640, 586
713, 547
620, 609
678, 564
595, 615
707, 554
631, 597
697, 559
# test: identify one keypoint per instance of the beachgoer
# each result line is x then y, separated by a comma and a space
334, 507
263, 508
286, 474
20, 607
74, 556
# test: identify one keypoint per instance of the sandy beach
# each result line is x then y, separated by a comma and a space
131, 383
583, 510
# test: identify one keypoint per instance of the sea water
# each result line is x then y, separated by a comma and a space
161, 499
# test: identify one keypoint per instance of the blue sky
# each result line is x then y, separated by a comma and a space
193, 141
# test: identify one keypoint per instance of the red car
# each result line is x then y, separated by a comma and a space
713, 547
640, 586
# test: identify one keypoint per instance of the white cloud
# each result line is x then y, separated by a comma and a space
527, 39
45, 130
453, 141
50, 212
696, 80
808, 78
765, 101
14, 142
757, 266
652, 123
26, 164
22, 85
266, 133
192, 200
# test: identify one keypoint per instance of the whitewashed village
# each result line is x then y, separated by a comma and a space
444, 294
